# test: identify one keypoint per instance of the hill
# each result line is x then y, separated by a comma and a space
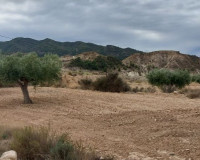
41, 47
164, 59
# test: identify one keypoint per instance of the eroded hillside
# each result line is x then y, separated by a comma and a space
164, 59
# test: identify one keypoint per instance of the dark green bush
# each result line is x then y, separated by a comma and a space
196, 78
168, 80
111, 83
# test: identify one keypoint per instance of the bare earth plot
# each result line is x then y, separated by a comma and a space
165, 126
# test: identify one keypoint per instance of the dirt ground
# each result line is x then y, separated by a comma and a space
146, 125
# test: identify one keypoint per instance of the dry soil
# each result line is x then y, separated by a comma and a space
148, 125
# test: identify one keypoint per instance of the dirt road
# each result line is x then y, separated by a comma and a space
165, 126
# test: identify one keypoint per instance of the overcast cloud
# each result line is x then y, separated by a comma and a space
146, 25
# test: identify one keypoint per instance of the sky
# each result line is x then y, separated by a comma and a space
146, 25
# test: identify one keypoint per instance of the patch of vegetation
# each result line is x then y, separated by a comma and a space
134, 66
72, 74
100, 63
168, 80
111, 83
85, 83
146, 90
151, 67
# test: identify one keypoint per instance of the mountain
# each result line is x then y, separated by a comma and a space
163, 59
41, 47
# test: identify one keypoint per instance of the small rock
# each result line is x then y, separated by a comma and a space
9, 155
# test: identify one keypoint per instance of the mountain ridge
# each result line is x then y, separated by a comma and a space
26, 45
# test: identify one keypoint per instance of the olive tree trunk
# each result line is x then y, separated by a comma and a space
24, 87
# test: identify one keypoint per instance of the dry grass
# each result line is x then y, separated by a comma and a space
191, 92
6, 134
41, 143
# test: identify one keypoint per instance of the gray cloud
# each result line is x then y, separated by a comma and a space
142, 24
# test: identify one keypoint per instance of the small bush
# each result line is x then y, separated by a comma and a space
150, 90
167, 80
85, 83
111, 83
72, 74
146, 90
137, 89
63, 149
195, 93
168, 88
196, 78
31, 144
40, 144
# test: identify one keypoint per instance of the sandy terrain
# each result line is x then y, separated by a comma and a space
158, 126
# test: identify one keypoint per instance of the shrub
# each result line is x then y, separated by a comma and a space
146, 90
168, 88
137, 89
72, 74
150, 90
85, 83
63, 149
196, 78
31, 144
191, 93
40, 144
111, 83
167, 80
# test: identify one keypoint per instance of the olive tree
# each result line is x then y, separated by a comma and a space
168, 80
29, 69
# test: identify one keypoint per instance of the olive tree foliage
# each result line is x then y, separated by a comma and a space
168, 80
30, 68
